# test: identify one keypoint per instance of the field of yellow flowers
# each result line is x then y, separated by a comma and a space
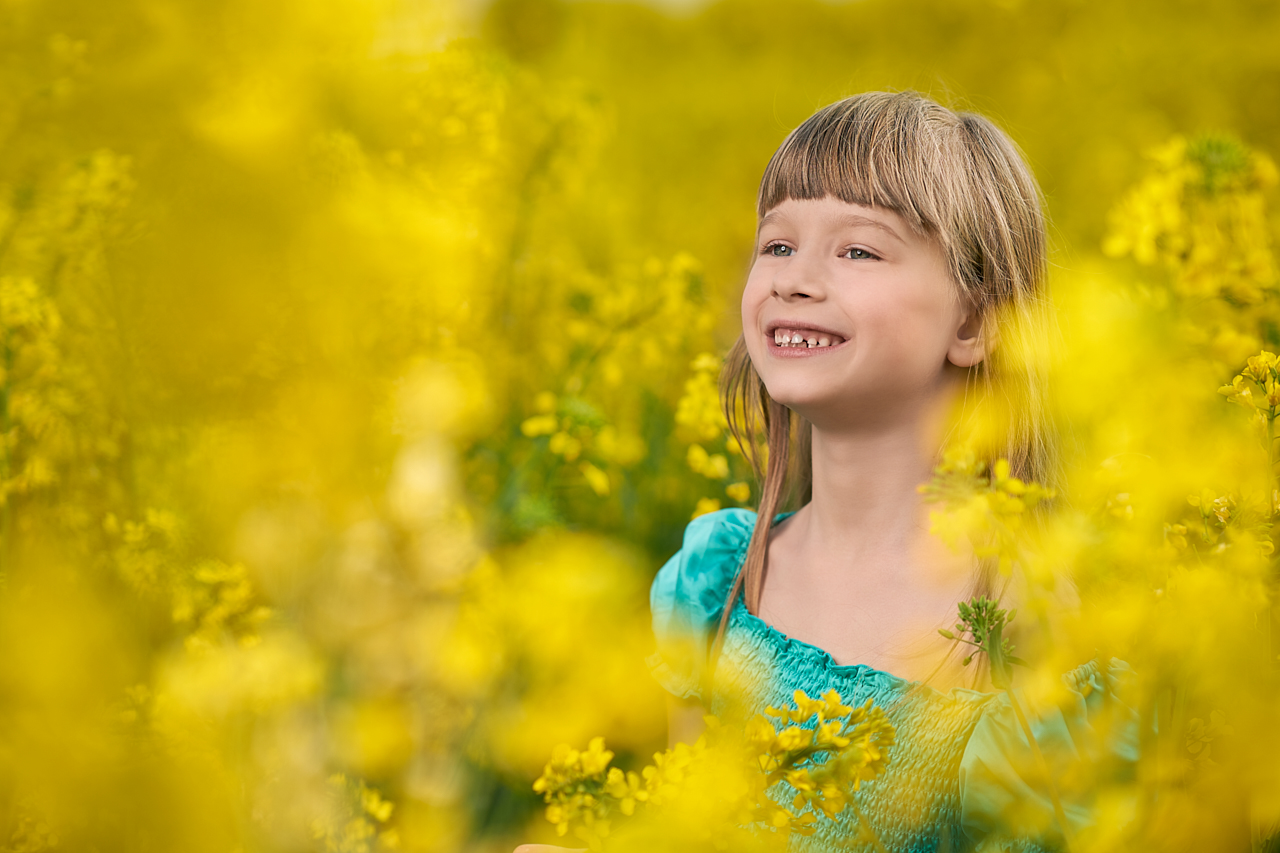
359, 369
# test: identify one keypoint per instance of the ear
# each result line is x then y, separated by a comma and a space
969, 346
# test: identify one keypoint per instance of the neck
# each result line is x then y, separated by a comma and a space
865, 486
866, 480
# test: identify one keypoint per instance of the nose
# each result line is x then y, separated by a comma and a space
799, 280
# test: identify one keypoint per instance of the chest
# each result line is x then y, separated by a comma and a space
877, 600
889, 626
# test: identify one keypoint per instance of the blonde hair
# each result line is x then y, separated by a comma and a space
952, 176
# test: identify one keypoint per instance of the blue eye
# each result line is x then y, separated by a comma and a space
856, 254
778, 250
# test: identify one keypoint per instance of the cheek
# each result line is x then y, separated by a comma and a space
914, 328
754, 295
752, 290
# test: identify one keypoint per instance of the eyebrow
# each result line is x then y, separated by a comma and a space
851, 220
855, 220
770, 217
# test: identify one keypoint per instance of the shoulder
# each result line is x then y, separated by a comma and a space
707, 562
716, 538
1084, 729
1094, 700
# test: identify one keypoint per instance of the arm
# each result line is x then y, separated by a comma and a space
684, 720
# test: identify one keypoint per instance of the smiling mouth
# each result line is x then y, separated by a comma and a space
804, 339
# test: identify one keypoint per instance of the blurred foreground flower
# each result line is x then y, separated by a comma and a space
727, 781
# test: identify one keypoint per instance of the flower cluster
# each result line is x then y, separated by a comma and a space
984, 621
821, 749
581, 790
825, 754
1200, 212
698, 410
1200, 216
984, 506
1257, 387
584, 793
700, 420
356, 819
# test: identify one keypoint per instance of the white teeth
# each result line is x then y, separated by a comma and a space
783, 338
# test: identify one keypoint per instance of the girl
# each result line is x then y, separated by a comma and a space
900, 248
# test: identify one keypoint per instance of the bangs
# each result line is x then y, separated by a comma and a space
878, 149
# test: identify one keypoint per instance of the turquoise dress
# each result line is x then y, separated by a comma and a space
961, 776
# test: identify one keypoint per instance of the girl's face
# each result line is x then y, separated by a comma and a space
849, 315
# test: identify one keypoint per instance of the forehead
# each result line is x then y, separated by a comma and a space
832, 213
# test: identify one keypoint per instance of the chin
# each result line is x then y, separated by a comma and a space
799, 399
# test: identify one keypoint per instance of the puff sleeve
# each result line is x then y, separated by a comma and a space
688, 596
1089, 739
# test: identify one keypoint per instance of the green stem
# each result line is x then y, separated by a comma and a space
1152, 742
1272, 611
1058, 811
1178, 720
1271, 468
5, 516
866, 826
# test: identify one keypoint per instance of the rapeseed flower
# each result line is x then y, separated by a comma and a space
824, 758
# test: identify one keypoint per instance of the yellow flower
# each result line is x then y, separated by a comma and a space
832, 802
596, 758
622, 448
539, 425
1259, 367
740, 492
596, 479
373, 803
793, 738
801, 780
806, 708
833, 705
828, 735
556, 815
760, 732
698, 411
565, 445
714, 467
545, 402
626, 788
705, 505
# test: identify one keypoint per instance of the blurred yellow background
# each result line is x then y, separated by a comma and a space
358, 373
